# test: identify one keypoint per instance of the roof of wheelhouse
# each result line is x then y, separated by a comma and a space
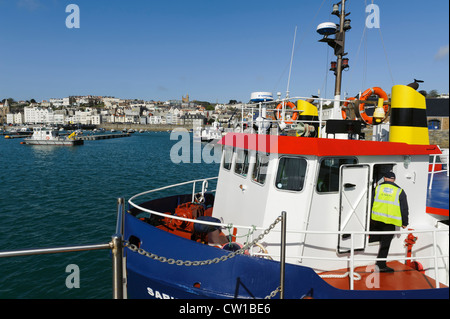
322, 146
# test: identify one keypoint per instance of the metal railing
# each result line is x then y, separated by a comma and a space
116, 246
351, 259
444, 161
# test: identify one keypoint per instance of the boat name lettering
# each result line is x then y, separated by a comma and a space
157, 294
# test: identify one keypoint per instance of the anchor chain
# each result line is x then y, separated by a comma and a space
179, 262
216, 260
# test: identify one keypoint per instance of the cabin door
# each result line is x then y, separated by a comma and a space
354, 206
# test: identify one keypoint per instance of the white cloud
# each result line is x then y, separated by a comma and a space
442, 53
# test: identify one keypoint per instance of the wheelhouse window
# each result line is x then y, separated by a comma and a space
291, 173
227, 157
241, 165
260, 168
328, 180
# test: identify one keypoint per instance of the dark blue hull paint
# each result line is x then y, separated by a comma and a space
240, 277
437, 197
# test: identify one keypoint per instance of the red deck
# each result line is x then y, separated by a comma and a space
403, 278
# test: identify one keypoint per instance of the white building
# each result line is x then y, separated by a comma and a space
117, 118
14, 118
173, 116
35, 115
87, 117
54, 118
155, 119
111, 101
60, 102
9, 118
96, 119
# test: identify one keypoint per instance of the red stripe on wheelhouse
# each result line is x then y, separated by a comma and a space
322, 146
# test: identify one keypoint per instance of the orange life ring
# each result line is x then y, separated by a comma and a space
292, 106
343, 112
365, 95
47, 138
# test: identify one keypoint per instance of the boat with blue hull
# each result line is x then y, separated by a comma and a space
169, 261
242, 276
289, 214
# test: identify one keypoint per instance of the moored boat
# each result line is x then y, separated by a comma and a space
209, 134
46, 136
290, 213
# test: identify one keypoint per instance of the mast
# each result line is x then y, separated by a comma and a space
290, 67
338, 44
340, 40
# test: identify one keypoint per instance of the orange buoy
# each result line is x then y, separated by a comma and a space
343, 109
292, 106
365, 95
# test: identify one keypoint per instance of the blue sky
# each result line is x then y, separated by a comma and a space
213, 50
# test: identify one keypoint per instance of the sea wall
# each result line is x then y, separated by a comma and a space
437, 137
147, 127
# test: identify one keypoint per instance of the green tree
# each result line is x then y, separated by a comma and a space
433, 93
423, 92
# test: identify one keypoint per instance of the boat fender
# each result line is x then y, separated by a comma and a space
234, 247
202, 228
292, 106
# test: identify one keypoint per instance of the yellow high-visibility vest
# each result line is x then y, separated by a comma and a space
386, 205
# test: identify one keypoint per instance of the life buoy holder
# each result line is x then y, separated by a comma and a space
344, 108
365, 95
292, 106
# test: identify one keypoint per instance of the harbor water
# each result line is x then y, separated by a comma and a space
54, 196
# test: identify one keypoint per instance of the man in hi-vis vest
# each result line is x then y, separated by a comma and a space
390, 209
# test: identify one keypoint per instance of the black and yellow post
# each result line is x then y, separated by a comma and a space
408, 116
